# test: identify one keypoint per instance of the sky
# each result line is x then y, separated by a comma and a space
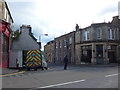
58, 17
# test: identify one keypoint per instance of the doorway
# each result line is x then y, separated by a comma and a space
112, 54
112, 57
99, 53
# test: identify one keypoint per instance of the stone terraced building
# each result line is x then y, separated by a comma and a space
96, 44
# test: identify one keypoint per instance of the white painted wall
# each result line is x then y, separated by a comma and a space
25, 41
13, 56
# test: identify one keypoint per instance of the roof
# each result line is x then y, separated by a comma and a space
50, 42
31, 34
95, 25
115, 22
65, 34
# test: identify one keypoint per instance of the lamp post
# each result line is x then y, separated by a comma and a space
40, 39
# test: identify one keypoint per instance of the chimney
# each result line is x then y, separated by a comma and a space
26, 29
77, 27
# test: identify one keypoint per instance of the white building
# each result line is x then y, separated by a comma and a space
25, 41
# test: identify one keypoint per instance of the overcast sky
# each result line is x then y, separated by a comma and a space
57, 17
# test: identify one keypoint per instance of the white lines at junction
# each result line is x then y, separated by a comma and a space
62, 84
112, 75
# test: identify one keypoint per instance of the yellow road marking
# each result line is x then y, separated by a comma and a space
11, 74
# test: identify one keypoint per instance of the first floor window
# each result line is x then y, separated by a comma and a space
65, 43
99, 33
111, 34
86, 35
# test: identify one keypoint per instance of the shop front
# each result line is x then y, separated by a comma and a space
99, 53
4, 44
106, 53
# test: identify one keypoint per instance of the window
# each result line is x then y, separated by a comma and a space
86, 35
65, 43
111, 34
7, 18
60, 43
99, 33
70, 40
56, 44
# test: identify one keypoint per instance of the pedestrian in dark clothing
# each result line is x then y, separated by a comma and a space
66, 62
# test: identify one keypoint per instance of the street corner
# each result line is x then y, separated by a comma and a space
10, 74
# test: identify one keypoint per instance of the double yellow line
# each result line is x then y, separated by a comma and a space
12, 74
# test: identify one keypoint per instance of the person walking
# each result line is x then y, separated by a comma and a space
66, 62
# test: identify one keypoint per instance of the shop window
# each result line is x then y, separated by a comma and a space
86, 54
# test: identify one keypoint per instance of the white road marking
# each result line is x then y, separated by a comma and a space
62, 84
111, 75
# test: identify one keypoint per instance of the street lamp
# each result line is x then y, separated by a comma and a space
40, 39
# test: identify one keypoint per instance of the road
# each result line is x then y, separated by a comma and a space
73, 77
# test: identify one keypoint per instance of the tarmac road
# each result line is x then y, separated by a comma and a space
73, 77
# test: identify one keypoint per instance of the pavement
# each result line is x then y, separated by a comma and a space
7, 71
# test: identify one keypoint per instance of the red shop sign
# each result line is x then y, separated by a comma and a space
7, 33
2, 27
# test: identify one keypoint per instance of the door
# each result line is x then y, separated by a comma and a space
99, 53
112, 57
24, 57
112, 54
